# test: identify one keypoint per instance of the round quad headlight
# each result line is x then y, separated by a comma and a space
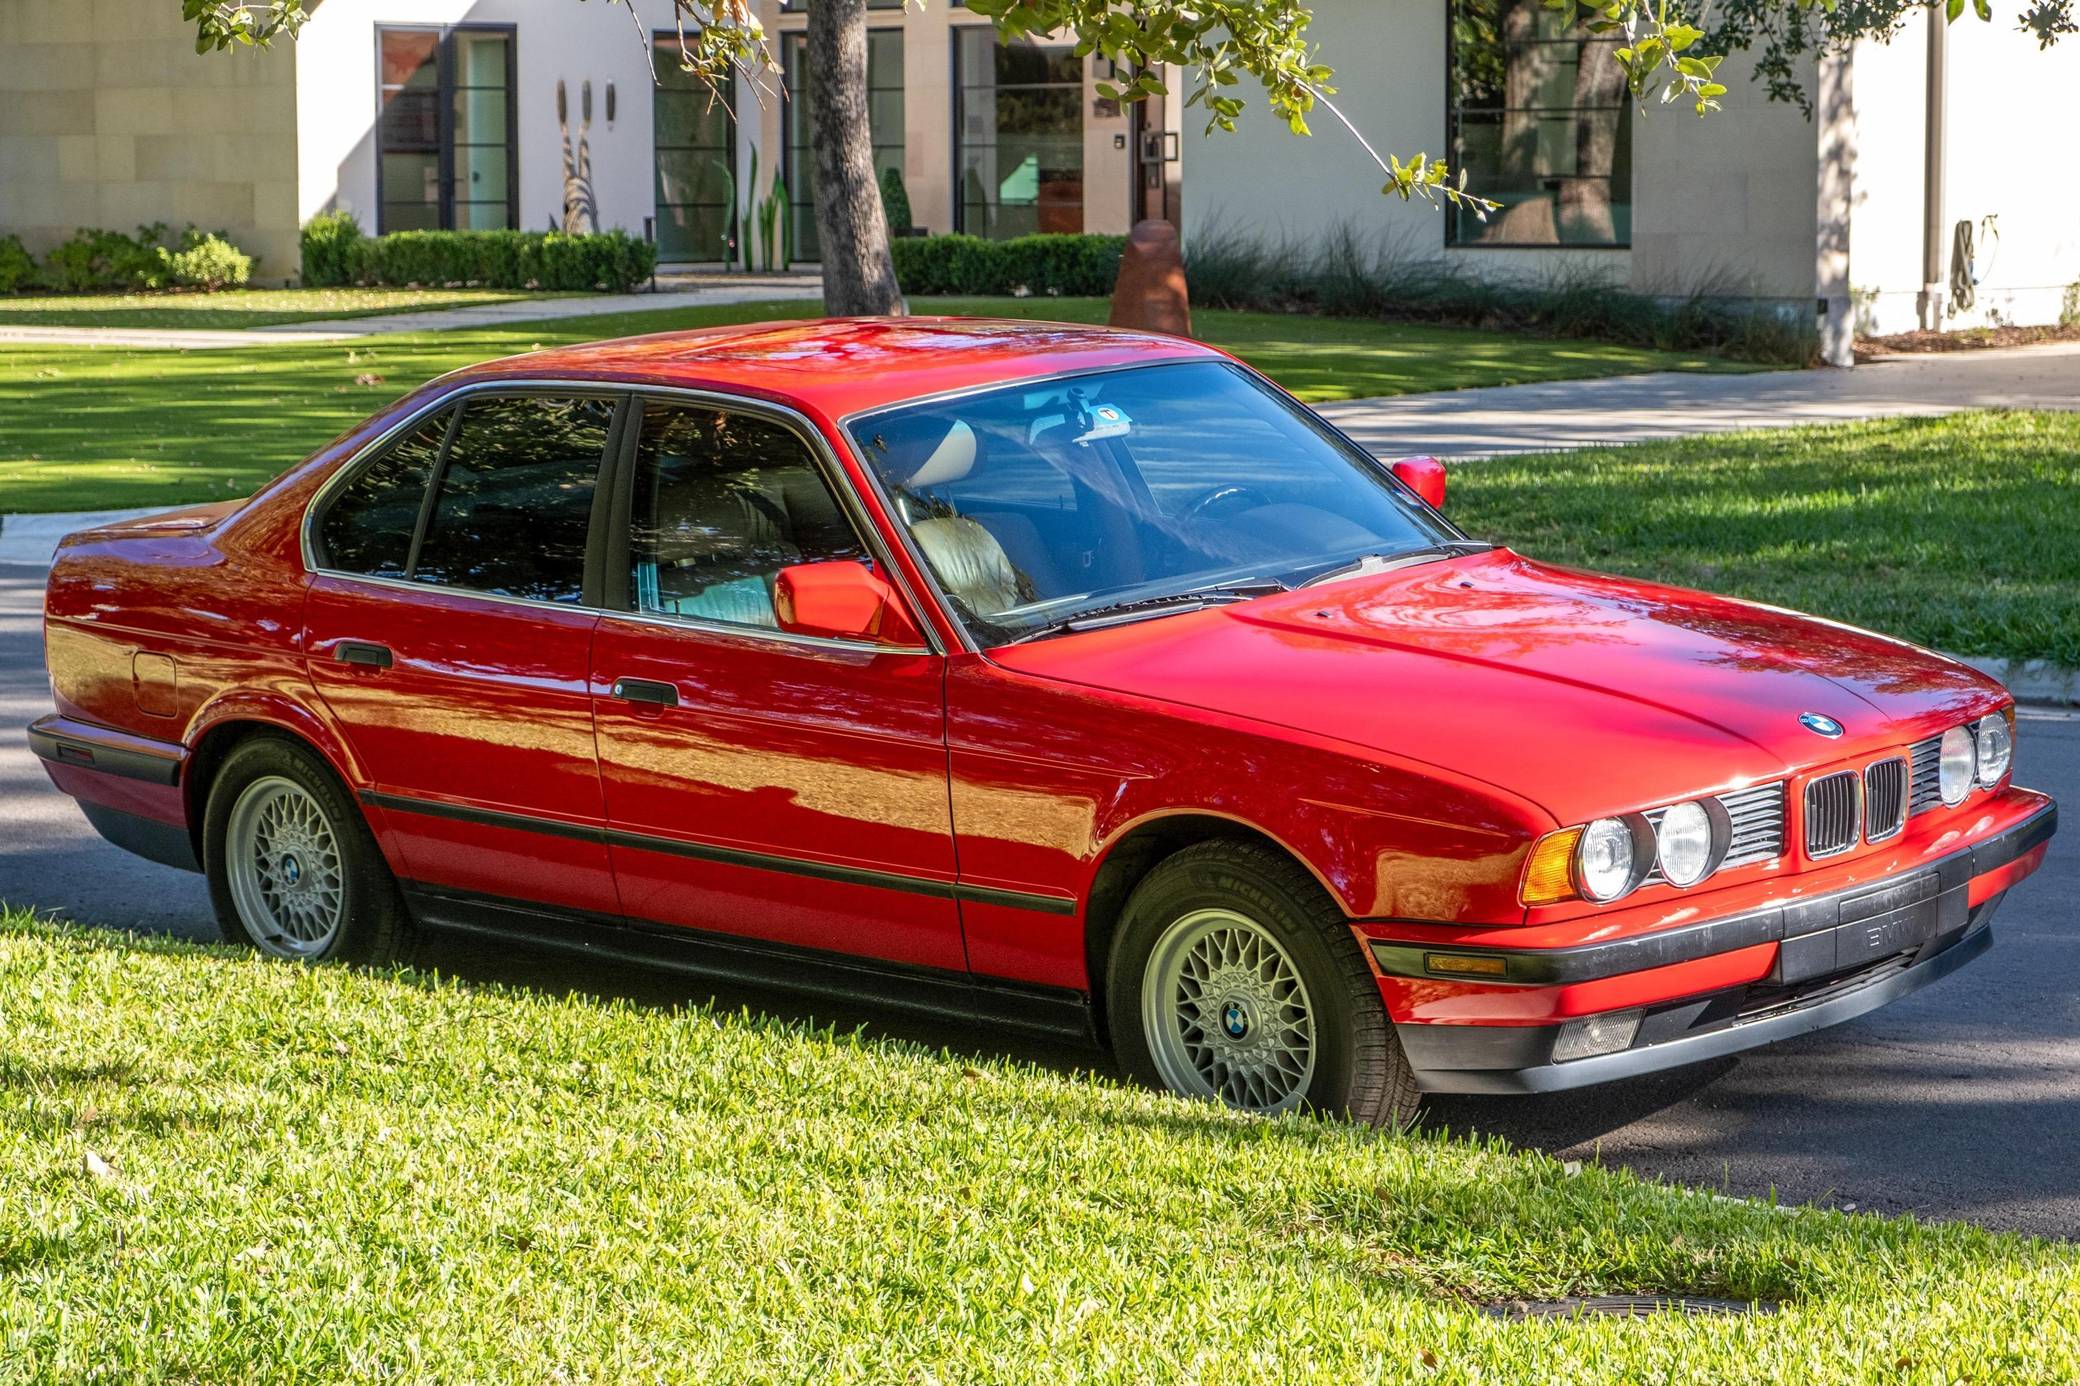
1683, 840
1605, 861
1956, 763
1996, 749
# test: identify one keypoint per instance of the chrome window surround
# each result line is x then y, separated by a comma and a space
794, 421
1038, 382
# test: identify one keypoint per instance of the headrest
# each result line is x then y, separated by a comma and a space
952, 459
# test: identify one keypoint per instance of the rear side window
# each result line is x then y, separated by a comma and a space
368, 527
515, 499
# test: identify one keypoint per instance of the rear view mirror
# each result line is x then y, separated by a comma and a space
1424, 476
842, 600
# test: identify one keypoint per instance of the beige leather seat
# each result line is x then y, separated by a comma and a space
968, 559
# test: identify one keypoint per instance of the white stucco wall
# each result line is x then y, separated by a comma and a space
557, 39
2009, 120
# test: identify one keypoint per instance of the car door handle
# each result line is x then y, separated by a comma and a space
646, 691
364, 652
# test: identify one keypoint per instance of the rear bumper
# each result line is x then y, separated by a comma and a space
1802, 966
128, 786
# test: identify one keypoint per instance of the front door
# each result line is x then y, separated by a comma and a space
761, 784
449, 633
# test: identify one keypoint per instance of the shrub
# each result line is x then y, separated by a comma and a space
1043, 264
895, 201
17, 268
90, 260
328, 243
1346, 275
206, 261
611, 260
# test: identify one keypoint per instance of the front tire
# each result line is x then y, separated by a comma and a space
1235, 978
293, 869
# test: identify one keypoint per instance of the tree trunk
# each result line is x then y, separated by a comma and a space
858, 274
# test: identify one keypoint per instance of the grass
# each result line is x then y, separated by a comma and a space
303, 1174
234, 308
89, 428
1955, 532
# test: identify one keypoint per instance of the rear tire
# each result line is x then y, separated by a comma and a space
293, 869
1235, 978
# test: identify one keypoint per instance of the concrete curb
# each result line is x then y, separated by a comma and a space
31, 540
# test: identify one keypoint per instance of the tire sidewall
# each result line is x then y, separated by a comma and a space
365, 884
1178, 888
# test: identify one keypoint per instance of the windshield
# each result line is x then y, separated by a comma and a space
1036, 503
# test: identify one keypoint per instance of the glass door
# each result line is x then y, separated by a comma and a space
696, 142
445, 129
1019, 132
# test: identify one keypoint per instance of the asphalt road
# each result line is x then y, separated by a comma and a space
1962, 1101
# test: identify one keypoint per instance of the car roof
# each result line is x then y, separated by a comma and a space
839, 366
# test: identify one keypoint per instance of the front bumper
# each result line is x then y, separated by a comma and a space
1831, 958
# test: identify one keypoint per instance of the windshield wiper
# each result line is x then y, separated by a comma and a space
1161, 604
1368, 564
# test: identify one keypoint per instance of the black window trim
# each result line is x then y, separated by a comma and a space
444, 138
1451, 145
611, 497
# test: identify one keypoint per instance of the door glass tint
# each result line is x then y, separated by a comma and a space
516, 497
723, 502
368, 527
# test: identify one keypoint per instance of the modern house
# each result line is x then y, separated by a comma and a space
477, 113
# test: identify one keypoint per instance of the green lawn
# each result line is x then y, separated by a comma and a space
1960, 533
86, 428
215, 1168
235, 307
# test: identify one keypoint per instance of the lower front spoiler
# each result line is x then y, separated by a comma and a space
1440, 1053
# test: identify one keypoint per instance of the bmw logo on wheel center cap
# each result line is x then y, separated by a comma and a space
1235, 1020
1820, 724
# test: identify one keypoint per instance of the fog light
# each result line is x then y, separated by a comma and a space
1596, 1034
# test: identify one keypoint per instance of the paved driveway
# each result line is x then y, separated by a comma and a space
1962, 1101
1670, 404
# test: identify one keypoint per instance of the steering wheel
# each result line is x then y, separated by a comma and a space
1223, 497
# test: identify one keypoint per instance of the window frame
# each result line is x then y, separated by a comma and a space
607, 539
794, 44
444, 117
1451, 141
669, 38
315, 559
959, 143
618, 597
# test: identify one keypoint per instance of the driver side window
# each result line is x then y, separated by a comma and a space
722, 502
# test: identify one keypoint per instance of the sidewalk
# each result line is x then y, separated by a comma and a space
1668, 404
685, 291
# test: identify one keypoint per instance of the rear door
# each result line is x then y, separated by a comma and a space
449, 630
775, 787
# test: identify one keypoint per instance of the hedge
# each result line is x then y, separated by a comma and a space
1081, 265
335, 252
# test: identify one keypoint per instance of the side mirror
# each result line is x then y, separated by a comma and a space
842, 600
1424, 476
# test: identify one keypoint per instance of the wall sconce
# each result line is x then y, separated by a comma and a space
585, 100
610, 103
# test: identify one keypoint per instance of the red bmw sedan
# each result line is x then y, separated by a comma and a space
1075, 679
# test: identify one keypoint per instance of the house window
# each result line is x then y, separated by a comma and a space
884, 127
1018, 135
1538, 116
445, 129
696, 161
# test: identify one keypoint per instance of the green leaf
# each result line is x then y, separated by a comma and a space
1953, 8
1984, 8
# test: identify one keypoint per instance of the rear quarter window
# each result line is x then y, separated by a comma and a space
367, 528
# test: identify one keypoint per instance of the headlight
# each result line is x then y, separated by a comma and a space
1996, 748
1683, 840
1956, 763
1606, 858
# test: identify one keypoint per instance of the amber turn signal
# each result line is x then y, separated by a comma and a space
1465, 965
1549, 874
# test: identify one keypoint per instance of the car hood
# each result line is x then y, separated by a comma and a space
1584, 693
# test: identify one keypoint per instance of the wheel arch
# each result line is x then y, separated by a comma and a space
1138, 849
223, 725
